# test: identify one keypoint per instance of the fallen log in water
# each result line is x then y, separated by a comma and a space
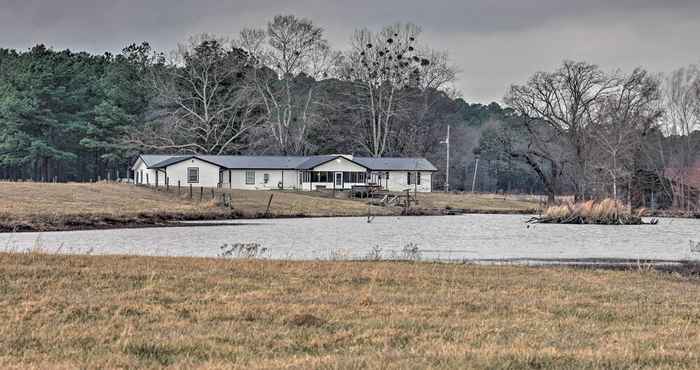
605, 212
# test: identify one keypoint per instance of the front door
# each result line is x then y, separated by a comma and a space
339, 180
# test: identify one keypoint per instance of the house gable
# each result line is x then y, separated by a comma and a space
340, 164
207, 172
139, 162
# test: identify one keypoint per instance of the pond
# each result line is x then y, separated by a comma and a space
467, 237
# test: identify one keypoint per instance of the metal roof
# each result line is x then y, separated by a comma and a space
318, 160
291, 163
396, 164
172, 160
255, 162
152, 159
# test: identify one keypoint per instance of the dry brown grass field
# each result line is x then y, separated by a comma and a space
39, 206
70, 312
477, 202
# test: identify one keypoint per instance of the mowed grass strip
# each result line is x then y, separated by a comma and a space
138, 312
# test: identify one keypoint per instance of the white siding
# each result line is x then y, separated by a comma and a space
145, 176
277, 178
211, 175
398, 181
208, 173
322, 185
340, 164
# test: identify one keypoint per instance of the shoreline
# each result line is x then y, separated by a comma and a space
48, 223
683, 267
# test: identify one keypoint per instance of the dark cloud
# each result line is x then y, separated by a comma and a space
495, 43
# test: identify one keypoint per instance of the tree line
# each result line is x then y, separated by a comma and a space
592, 133
283, 89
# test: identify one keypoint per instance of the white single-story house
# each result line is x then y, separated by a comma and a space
338, 172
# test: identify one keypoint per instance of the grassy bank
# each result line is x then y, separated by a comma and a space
105, 311
44, 207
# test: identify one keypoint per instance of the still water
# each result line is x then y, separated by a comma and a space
467, 237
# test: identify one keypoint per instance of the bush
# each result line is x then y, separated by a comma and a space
242, 250
604, 212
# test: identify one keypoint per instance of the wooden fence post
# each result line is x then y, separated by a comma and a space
267, 211
201, 193
408, 201
178, 187
190, 191
212, 193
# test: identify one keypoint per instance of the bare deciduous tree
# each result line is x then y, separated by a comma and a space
620, 123
200, 92
537, 145
565, 100
681, 97
286, 55
383, 67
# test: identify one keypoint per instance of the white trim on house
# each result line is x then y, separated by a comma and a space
338, 172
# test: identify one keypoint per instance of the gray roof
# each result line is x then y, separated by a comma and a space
318, 160
152, 159
396, 164
266, 162
171, 160
290, 163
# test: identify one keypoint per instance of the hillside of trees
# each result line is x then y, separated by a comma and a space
282, 89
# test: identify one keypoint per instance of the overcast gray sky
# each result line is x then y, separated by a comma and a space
494, 43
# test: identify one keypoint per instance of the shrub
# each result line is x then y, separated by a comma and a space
604, 212
242, 250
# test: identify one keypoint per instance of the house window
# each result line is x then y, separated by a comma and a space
250, 177
266, 178
193, 175
354, 177
322, 176
413, 178
408, 181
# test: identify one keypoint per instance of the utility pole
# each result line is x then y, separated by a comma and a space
477, 154
447, 168
476, 168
